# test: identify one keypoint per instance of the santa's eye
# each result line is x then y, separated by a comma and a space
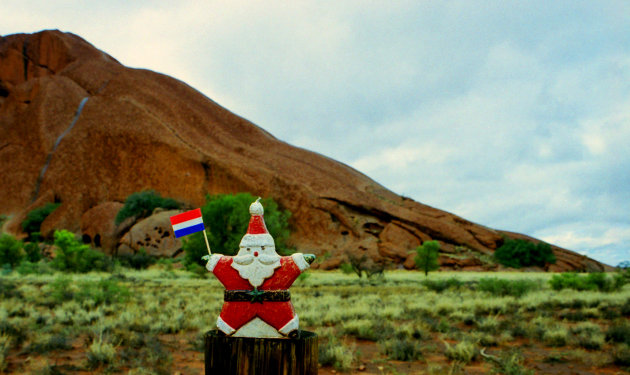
248, 249
262, 248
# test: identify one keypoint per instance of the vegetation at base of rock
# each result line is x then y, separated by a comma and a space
142, 204
73, 256
518, 253
36, 217
228, 216
11, 252
427, 257
592, 281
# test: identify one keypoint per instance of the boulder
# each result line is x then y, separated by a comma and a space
155, 235
98, 226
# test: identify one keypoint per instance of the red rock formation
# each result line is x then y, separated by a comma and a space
79, 128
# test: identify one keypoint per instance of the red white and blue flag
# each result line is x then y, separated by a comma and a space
187, 223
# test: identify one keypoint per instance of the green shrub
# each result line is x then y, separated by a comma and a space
74, 256
621, 355
442, 284
427, 257
8, 289
334, 353
31, 268
503, 287
509, 363
522, 253
104, 291
401, 349
100, 352
36, 217
142, 205
619, 331
11, 252
227, 218
139, 261
463, 351
47, 343
33, 252
593, 281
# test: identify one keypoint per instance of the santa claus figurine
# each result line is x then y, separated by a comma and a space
257, 302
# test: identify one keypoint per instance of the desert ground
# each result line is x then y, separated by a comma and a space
153, 322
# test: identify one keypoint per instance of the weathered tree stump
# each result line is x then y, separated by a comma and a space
226, 355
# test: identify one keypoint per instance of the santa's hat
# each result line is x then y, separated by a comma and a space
257, 234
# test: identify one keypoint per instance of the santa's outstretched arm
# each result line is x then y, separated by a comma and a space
303, 261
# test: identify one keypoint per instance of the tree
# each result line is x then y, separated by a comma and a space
522, 253
74, 256
36, 217
427, 258
142, 205
226, 217
10, 250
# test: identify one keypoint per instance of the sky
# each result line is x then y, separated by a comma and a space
514, 115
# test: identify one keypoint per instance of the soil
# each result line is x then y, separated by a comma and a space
187, 360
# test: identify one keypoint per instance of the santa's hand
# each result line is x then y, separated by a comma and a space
310, 258
212, 261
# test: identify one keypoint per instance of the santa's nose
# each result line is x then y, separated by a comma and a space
255, 253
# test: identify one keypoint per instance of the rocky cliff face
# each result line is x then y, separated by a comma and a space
79, 128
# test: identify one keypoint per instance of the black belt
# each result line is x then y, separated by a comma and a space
257, 296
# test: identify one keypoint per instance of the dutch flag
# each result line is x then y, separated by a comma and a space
187, 223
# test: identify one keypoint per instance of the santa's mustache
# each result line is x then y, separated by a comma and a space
248, 259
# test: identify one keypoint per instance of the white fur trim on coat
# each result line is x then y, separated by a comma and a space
224, 327
214, 259
291, 326
299, 260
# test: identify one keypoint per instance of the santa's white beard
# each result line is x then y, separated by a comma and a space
256, 269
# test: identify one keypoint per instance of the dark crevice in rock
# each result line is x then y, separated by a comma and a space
40, 178
25, 60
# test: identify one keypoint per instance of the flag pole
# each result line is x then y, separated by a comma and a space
205, 236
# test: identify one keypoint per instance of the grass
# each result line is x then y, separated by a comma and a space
141, 321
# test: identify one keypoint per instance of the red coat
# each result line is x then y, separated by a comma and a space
276, 314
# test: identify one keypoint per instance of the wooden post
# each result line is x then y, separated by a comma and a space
227, 355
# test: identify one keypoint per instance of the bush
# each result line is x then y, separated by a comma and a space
10, 250
142, 205
502, 287
105, 291
619, 331
621, 355
36, 217
31, 268
401, 349
464, 351
443, 284
427, 257
593, 281
522, 253
227, 218
100, 352
139, 261
74, 256
33, 252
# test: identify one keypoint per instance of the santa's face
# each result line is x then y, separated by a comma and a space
257, 258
